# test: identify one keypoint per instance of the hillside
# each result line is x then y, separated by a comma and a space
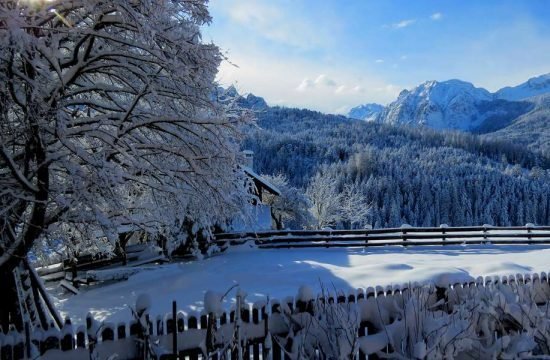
532, 129
412, 175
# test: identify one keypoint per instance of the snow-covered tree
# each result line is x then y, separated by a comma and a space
291, 208
107, 122
325, 200
331, 206
355, 207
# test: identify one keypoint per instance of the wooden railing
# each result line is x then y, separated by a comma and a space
404, 236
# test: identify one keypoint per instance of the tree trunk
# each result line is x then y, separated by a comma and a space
277, 220
120, 248
9, 301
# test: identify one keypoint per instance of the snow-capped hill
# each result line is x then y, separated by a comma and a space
535, 86
231, 95
253, 102
367, 112
448, 104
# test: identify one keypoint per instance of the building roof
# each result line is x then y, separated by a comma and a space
266, 184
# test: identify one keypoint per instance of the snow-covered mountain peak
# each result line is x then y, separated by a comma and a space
250, 101
367, 112
450, 104
532, 87
445, 91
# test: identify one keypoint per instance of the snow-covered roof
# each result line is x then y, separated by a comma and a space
266, 184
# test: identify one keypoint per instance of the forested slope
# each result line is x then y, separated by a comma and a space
410, 175
532, 129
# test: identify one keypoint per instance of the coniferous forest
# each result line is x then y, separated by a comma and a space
409, 175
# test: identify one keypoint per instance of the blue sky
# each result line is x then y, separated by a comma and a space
330, 55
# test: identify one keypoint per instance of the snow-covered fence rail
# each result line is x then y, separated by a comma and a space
84, 268
492, 317
404, 236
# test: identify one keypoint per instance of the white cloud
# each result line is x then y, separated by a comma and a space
324, 80
403, 23
321, 80
436, 16
379, 61
273, 22
305, 84
349, 90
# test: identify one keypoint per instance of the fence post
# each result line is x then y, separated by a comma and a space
256, 342
147, 333
238, 326
362, 332
91, 331
27, 340
267, 345
275, 346
210, 338
174, 331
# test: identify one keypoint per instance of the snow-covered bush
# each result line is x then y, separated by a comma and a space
495, 320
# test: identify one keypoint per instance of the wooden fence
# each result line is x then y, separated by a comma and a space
264, 329
404, 236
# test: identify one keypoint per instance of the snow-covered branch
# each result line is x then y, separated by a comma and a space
108, 120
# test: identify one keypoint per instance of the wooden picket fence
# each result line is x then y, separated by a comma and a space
262, 332
403, 236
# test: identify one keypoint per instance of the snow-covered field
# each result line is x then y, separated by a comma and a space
279, 273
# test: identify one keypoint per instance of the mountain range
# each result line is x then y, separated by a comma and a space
519, 114
459, 105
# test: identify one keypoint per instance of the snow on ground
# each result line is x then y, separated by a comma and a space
278, 273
